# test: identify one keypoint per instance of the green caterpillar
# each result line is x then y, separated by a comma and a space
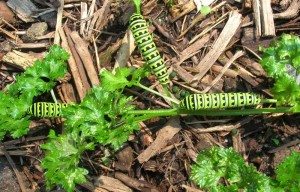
45, 109
219, 100
147, 47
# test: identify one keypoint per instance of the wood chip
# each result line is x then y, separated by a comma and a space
19, 59
199, 17
163, 136
124, 52
134, 183
100, 19
78, 61
219, 46
292, 11
238, 144
110, 184
23, 8
182, 8
6, 13
267, 22
257, 17
73, 67
226, 128
87, 60
124, 159
58, 25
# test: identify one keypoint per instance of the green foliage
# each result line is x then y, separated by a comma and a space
205, 10
281, 60
62, 159
122, 78
220, 163
101, 118
288, 173
37, 79
217, 166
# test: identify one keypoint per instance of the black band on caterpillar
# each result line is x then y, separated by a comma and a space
148, 49
219, 100
45, 109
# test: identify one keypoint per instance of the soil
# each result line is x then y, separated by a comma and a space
8, 180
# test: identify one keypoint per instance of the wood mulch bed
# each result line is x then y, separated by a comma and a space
214, 53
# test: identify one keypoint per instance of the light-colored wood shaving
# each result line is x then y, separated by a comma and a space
19, 59
267, 20
163, 136
257, 18
292, 11
219, 46
99, 20
124, 52
110, 184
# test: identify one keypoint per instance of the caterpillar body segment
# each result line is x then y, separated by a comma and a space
219, 100
147, 47
45, 109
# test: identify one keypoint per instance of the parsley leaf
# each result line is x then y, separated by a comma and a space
281, 60
288, 173
217, 163
62, 159
98, 115
122, 78
37, 79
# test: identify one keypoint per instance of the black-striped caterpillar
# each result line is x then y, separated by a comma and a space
147, 47
219, 100
45, 109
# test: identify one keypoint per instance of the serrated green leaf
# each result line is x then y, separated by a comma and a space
113, 82
217, 163
36, 80
123, 77
62, 159
280, 54
288, 173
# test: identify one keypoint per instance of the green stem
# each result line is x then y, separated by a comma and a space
269, 101
157, 93
53, 96
148, 114
137, 4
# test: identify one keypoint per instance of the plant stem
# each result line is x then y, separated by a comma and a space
157, 93
53, 96
269, 100
148, 114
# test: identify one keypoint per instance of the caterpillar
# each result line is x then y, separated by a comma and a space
219, 100
45, 109
147, 47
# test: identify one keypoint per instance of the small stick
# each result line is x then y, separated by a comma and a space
58, 22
